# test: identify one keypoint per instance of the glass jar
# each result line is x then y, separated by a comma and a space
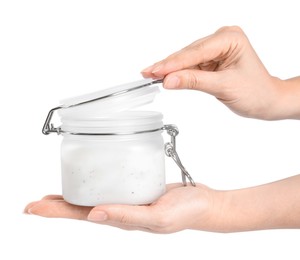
111, 154
113, 168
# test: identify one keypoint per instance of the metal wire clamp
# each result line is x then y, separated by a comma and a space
170, 151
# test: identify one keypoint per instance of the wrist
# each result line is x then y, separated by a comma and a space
286, 103
218, 212
268, 206
225, 212
290, 98
239, 211
242, 210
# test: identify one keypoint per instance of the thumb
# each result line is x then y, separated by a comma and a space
206, 81
123, 214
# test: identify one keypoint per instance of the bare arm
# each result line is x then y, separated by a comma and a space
270, 206
289, 103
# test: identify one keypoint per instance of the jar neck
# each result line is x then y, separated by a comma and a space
125, 123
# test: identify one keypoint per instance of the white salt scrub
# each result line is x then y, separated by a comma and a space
120, 156
127, 169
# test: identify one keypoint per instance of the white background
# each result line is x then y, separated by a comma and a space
51, 50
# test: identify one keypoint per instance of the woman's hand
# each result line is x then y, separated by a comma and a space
268, 206
226, 66
179, 208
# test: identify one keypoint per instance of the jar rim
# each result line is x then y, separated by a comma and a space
122, 122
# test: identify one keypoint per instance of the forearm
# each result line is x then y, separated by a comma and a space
288, 103
270, 206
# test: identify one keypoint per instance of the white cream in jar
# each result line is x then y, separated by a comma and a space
122, 168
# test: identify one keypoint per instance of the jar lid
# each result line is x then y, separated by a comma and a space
111, 100
104, 103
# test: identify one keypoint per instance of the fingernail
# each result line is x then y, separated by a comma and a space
31, 211
156, 69
29, 207
26, 211
97, 215
171, 82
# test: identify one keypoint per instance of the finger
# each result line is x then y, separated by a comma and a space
147, 72
217, 47
29, 206
52, 197
48, 197
126, 227
124, 215
206, 81
58, 209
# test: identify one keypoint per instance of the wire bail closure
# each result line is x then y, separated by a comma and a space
48, 127
172, 130
170, 151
